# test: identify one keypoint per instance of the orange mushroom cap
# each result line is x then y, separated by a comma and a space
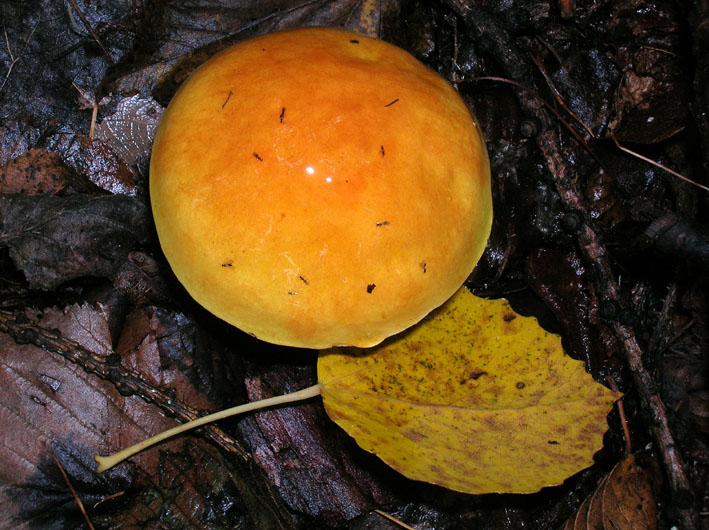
317, 187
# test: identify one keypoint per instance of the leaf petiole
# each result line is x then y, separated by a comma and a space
107, 462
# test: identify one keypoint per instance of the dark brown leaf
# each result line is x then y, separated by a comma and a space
142, 279
50, 405
190, 34
56, 239
650, 100
559, 279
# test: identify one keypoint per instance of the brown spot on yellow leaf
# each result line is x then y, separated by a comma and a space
473, 376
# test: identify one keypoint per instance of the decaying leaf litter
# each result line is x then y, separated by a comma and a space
540, 225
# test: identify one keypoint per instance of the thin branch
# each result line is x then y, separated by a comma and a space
13, 60
250, 483
623, 420
394, 520
595, 253
657, 164
73, 492
92, 127
91, 31
126, 381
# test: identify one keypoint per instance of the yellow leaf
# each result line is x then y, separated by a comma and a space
476, 398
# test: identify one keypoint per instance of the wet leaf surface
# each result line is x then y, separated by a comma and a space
650, 102
56, 239
52, 406
303, 456
572, 303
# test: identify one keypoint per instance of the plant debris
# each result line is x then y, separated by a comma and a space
100, 345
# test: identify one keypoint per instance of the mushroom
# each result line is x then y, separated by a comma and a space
317, 187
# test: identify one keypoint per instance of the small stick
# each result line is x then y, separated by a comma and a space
91, 31
623, 420
394, 520
657, 164
73, 491
559, 99
92, 128
126, 381
582, 141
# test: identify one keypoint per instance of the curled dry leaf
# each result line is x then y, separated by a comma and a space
476, 398
625, 498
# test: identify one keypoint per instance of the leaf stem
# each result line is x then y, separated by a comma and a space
107, 462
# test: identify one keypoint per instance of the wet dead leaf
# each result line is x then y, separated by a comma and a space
39, 171
650, 103
98, 162
142, 279
626, 498
49, 405
130, 130
476, 398
56, 239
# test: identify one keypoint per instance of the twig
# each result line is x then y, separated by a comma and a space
13, 59
394, 520
73, 491
596, 255
250, 484
91, 31
657, 164
92, 127
109, 498
623, 420
126, 381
